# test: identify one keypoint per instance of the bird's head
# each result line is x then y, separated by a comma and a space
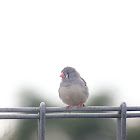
69, 72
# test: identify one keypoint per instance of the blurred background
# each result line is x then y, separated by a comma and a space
101, 39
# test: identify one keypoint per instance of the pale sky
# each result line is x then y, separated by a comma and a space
101, 39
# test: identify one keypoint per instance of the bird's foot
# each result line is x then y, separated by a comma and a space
80, 105
68, 107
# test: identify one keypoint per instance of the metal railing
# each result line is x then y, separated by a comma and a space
42, 113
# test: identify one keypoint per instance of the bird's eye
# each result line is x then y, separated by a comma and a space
67, 75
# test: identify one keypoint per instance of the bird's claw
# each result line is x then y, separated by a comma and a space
80, 105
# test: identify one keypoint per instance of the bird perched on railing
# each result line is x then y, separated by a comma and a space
73, 89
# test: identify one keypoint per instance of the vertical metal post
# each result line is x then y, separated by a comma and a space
119, 128
123, 121
41, 122
38, 129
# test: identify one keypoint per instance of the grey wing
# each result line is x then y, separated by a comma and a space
59, 92
85, 88
83, 81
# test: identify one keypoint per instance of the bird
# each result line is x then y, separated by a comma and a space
73, 89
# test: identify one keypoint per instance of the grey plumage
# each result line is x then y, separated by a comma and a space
73, 89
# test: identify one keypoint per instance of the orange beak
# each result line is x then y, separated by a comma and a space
62, 75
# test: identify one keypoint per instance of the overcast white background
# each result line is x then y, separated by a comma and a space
101, 39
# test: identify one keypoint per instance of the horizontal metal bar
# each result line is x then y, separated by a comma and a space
88, 108
20, 109
19, 116
67, 115
91, 115
134, 108
82, 115
132, 115
64, 109
60, 109
60, 115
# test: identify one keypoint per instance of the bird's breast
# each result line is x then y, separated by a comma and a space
72, 95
